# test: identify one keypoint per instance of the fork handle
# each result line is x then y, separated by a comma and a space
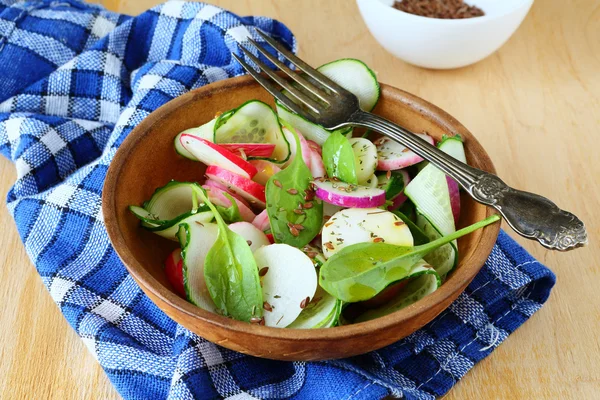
529, 214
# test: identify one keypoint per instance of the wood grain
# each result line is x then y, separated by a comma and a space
535, 105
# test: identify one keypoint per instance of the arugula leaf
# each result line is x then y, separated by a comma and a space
231, 273
295, 215
338, 158
230, 214
360, 271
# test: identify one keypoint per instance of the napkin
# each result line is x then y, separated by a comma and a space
74, 81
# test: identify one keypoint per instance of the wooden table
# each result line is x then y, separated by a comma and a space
535, 105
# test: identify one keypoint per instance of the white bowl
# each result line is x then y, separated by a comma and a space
443, 43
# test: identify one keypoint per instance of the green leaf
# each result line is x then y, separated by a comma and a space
231, 272
290, 202
230, 214
419, 237
360, 271
338, 158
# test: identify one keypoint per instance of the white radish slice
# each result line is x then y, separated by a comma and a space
262, 221
329, 210
266, 169
217, 197
290, 280
347, 195
361, 225
317, 168
217, 185
365, 158
315, 146
454, 191
249, 190
247, 150
392, 155
254, 236
196, 240
289, 136
212, 154
371, 181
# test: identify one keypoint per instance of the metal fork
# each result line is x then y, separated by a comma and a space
322, 101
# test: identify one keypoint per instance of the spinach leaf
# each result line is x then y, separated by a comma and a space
338, 158
360, 271
419, 237
231, 273
230, 214
295, 215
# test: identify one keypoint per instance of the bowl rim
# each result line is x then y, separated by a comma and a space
454, 22
450, 290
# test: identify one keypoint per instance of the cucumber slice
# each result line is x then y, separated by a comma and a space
349, 73
196, 240
315, 254
170, 229
365, 159
393, 183
309, 130
355, 76
453, 145
172, 200
424, 282
148, 220
205, 131
253, 122
322, 312
372, 181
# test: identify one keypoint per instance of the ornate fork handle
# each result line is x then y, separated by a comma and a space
529, 214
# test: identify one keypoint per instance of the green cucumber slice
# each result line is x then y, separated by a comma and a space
148, 219
253, 122
394, 184
355, 76
424, 282
171, 201
321, 313
196, 240
169, 230
315, 254
205, 132
349, 73
454, 146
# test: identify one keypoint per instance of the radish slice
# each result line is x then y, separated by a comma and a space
262, 221
220, 186
254, 236
204, 132
317, 168
248, 150
315, 146
265, 169
392, 155
196, 240
365, 158
271, 238
371, 182
213, 154
217, 197
361, 225
454, 198
249, 190
328, 211
397, 202
303, 145
346, 195
290, 280
174, 271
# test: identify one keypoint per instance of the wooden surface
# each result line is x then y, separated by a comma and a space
535, 105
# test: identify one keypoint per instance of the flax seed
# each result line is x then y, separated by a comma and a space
267, 306
378, 240
277, 183
292, 191
263, 271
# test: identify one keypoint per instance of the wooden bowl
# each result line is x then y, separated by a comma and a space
146, 160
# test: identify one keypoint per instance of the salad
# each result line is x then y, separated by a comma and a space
296, 226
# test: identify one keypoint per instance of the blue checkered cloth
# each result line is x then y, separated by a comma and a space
74, 81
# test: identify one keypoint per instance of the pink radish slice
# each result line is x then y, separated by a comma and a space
250, 149
254, 236
397, 202
265, 169
217, 197
262, 221
454, 190
174, 271
315, 146
345, 195
213, 154
217, 185
249, 190
303, 145
317, 168
392, 155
